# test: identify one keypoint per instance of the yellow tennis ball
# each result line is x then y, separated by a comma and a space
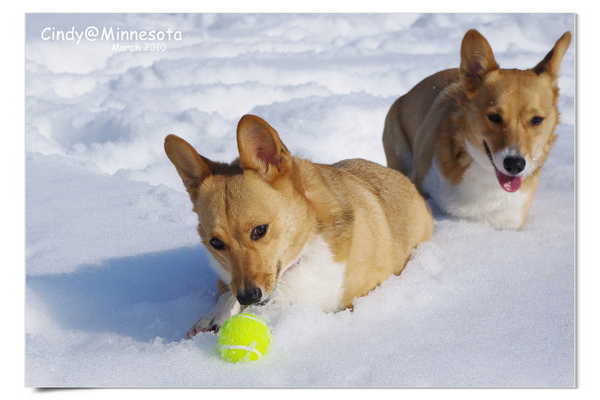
244, 337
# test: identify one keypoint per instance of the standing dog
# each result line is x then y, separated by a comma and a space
475, 138
284, 229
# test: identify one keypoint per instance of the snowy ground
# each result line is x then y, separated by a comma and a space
115, 273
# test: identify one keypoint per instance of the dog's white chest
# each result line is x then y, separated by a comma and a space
313, 279
478, 196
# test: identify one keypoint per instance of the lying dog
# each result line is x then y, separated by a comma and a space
284, 229
475, 138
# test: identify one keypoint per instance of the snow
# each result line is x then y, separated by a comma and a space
115, 273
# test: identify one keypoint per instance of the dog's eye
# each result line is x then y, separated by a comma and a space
217, 244
259, 232
495, 118
536, 121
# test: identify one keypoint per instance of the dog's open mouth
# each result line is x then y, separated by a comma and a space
507, 182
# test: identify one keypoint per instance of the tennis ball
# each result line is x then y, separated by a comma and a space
243, 337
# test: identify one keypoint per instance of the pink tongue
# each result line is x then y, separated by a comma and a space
509, 183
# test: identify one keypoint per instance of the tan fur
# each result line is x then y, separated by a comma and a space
370, 216
444, 112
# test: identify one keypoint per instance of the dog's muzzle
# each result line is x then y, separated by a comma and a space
513, 165
249, 296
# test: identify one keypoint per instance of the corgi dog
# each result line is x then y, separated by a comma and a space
286, 230
474, 139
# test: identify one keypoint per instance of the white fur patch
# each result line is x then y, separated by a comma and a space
478, 196
314, 278
221, 272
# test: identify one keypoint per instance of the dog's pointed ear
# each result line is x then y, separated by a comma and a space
476, 60
261, 150
551, 63
191, 166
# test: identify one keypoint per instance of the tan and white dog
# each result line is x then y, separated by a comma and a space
475, 138
283, 229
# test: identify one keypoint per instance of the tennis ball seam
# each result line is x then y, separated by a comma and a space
252, 317
237, 347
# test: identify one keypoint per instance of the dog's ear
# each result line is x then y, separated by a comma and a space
476, 60
261, 150
191, 166
551, 63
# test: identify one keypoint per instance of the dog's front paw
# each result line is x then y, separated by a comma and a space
212, 322
207, 323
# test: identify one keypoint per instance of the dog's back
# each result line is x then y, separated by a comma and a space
418, 113
367, 212
401, 203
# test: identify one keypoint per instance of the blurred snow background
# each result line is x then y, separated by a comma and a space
115, 273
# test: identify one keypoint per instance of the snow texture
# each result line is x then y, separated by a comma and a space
116, 274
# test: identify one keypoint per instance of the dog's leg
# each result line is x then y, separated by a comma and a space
395, 144
225, 308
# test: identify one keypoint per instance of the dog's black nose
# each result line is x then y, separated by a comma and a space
249, 295
514, 165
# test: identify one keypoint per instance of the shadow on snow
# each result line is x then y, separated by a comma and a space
155, 294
